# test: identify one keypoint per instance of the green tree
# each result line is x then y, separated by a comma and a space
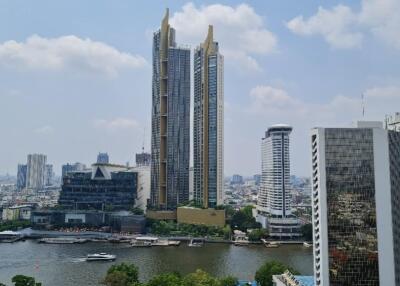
257, 234
307, 231
166, 279
123, 274
22, 280
200, 278
228, 281
1, 284
265, 272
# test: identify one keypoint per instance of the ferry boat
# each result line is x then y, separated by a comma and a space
241, 241
62, 240
306, 244
101, 257
196, 242
270, 244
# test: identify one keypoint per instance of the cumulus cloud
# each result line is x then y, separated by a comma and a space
116, 123
44, 130
67, 52
341, 27
240, 30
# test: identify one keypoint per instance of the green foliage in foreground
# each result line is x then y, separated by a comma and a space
22, 280
265, 272
122, 274
14, 224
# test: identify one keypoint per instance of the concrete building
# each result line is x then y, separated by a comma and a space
393, 122
104, 187
288, 279
35, 174
21, 212
191, 190
103, 158
170, 131
208, 123
21, 176
143, 186
274, 210
143, 159
48, 175
72, 168
356, 199
237, 180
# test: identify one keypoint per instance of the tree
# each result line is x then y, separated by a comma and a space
123, 274
243, 219
1, 284
257, 234
22, 280
166, 279
200, 278
137, 211
307, 231
265, 272
228, 281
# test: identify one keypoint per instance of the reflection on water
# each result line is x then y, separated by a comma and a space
65, 265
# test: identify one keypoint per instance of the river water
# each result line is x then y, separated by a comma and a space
64, 265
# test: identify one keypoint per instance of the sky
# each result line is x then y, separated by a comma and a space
75, 76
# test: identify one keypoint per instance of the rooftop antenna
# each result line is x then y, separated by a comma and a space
363, 105
144, 136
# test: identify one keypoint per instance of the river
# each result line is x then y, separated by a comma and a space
64, 265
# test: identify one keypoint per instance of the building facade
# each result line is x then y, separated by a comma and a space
356, 199
274, 209
393, 122
48, 175
103, 158
35, 173
105, 187
170, 133
21, 176
143, 159
208, 123
143, 186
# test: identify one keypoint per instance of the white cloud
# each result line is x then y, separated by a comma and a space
116, 124
70, 52
341, 27
44, 130
240, 30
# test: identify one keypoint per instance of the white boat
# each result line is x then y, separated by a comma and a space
270, 244
62, 240
306, 244
241, 241
196, 242
100, 257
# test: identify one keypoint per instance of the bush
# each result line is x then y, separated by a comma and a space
123, 274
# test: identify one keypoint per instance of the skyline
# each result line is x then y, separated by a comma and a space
83, 96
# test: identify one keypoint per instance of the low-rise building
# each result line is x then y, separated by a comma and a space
288, 279
22, 212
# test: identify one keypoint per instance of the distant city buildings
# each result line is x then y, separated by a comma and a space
237, 180
143, 159
356, 197
72, 168
257, 179
208, 123
274, 210
36, 171
103, 158
170, 132
21, 176
48, 175
104, 187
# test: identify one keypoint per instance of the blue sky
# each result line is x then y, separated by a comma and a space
75, 76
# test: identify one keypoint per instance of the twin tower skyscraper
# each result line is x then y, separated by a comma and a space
170, 134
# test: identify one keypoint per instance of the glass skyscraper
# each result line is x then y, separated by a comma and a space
356, 191
208, 123
170, 134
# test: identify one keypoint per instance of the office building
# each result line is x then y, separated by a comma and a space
143, 159
48, 175
208, 123
170, 133
274, 210
72, 168
356, 199
237, 180
143, 186
392, 122
105, 187
103, 158
21, 176
35, 173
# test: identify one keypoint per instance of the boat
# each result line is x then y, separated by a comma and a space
196, 242
62, 240
10, 236
101, 257
174, 242
241, 241
306, 244
270, 244
144, 241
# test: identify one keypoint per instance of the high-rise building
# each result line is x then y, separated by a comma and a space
237, 179
72, 168
356, 199
103, 158
21, 176
48, 175
170, 132
274, 210
35, 173
143, 159
393, 122
208, 123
